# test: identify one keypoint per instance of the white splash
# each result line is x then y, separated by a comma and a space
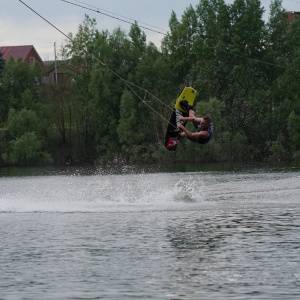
98, 193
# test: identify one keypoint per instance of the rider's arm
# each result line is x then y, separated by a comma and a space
187, 119
194, 135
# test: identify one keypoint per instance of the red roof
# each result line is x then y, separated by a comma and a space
18, 52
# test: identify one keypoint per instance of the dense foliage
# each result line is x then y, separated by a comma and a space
118, 91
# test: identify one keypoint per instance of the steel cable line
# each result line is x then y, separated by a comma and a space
224, 51
128, 83
105, 14
139, 22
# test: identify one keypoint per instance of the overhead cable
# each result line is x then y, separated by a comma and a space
103, 13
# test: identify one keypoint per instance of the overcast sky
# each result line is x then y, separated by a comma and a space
20, 26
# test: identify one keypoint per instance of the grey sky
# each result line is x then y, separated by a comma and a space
20, 26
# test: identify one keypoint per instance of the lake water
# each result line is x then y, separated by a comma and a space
157, 235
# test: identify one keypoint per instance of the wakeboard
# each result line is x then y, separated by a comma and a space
172, 136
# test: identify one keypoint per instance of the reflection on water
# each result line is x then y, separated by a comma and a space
191, 235
241, 253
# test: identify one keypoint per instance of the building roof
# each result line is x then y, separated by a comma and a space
18, 52
292, 15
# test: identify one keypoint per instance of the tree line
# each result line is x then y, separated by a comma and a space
118, 91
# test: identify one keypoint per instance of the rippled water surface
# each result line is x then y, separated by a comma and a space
182, 235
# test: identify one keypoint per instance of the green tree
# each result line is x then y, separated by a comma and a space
2, 62
2, 98
154, 73
213, 62
27, 145
22, 121
246, 107
137, 46
18, 78
286, 102
135, 131
294, 133
80, 51
26, 150
178, 44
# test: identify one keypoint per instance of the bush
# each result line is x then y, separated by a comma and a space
26, 150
